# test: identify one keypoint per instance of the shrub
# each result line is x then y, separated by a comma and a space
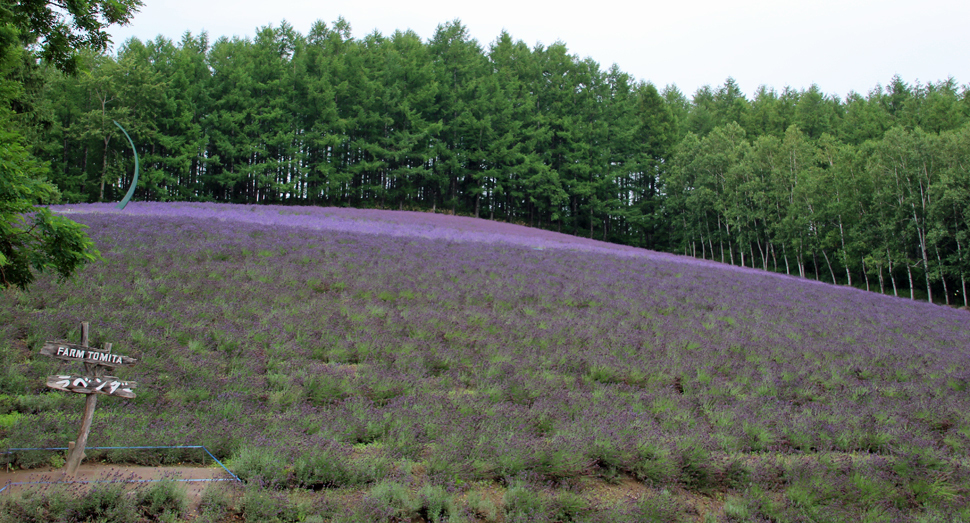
267, 506
324, 390
696, 471
262, 465
217, 501
435, 504
568, 507
161, 499
659, 507
35, 506
104, 502
481, 506
654, 465
397, 497
328, 468
523, 505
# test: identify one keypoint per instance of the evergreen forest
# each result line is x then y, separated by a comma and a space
870, 190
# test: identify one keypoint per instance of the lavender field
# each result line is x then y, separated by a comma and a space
357, 365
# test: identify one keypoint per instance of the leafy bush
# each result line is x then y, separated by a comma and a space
267, 506
162, 499
436, 505
35, 505
217, 502
481, 506
397, 497
521, 505
105, 502
262, 465
660, 507
566, 507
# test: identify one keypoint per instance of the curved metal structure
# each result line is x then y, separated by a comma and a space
134, 181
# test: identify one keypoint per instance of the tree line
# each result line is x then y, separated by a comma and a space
870, 190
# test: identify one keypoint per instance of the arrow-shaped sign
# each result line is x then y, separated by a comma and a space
108, 385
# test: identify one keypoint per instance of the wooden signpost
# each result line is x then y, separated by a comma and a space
91, 383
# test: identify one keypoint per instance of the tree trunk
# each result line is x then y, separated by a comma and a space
845, 255
963, 282
921, 236
84, 169
891, 277
829, 264
764, 256
946, 292
912, 289
104, 167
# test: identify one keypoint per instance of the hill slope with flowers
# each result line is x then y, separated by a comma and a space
389, 359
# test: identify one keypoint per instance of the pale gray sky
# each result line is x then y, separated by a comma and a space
841, 45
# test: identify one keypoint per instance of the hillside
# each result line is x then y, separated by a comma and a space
402, 365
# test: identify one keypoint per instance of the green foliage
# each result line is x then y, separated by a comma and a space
437, 504
521, 505
61, 29
482, 506
397, 497
660, 507
217, 501
267, 505
327, 468
566, 506
35, 506
9, 420
654, 465
105, 502
261, 466
34, 239
162, 499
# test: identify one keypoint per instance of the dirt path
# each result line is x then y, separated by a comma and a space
88, 474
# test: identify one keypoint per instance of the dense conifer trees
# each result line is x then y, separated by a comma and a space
870, 190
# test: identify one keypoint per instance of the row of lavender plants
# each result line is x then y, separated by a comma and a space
321, 348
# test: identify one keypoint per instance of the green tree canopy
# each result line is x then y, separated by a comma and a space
59, 28
33, 239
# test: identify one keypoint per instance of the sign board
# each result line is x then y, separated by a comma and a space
96, 362
80, 353
108, 385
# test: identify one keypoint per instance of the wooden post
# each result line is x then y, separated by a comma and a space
74, 460
76, 452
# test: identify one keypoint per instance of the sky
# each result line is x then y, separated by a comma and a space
840, 45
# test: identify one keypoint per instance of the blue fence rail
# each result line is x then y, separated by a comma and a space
15, 450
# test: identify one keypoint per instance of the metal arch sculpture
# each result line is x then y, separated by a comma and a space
134, 181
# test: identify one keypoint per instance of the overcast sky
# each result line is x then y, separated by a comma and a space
841, 45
